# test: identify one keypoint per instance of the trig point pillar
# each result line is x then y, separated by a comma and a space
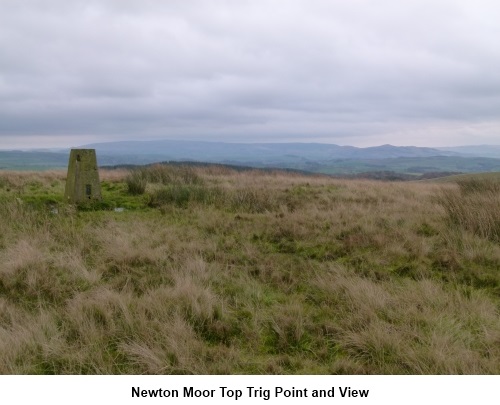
82, 183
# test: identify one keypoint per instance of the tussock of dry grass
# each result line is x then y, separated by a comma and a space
248, 272
382, 324
474, 206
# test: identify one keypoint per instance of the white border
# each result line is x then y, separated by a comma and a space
387, 390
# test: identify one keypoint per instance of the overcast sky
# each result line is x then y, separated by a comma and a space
351, 72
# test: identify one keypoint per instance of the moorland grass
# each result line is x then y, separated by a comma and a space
248, 272
475, 206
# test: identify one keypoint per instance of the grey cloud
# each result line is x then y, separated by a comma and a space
249, 70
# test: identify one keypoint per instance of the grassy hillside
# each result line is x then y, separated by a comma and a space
209, 270
407, 165
494, 177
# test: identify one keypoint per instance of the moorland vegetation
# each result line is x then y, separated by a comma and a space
185, 270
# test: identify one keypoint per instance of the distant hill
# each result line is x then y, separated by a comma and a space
256, 153
32, 160
492, 151
407, 161
408, 165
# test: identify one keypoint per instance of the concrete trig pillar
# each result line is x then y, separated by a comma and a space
82, 183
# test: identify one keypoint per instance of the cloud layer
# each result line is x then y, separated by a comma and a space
354, 72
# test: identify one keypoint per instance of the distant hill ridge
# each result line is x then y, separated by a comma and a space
306, 157
255, 152
492, 151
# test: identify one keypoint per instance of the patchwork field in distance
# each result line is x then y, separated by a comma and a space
184, 270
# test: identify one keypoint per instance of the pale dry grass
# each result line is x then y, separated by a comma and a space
175, 350
18, 179
278, 273
113, 175
474, 205
415, 326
